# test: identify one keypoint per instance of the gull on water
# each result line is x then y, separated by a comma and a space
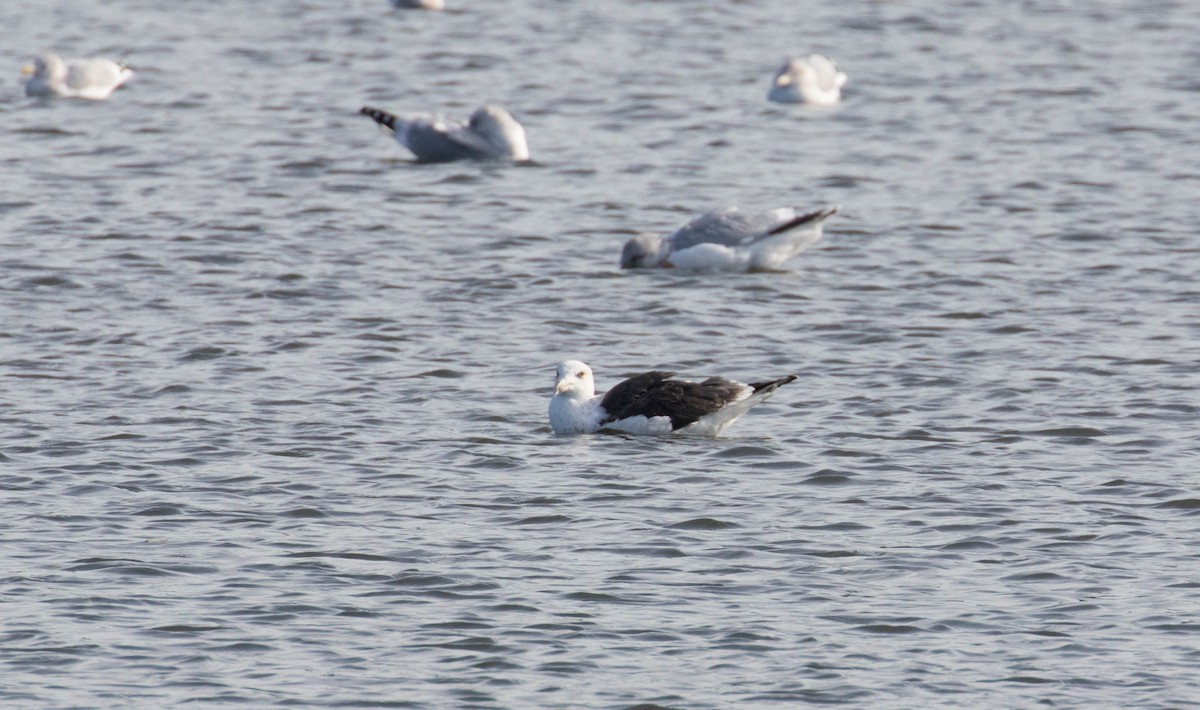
651, 403
419, 4
729, 240
51, 75
814, 79
490, 134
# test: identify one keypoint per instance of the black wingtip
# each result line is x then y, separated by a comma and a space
383, 118
814, 216
771, 385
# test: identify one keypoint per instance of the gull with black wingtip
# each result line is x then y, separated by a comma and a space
96, 79
653, 403
490, 134
729, 240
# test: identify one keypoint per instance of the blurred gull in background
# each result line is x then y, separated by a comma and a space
51, 75
814, 79
729, 240
490, 134
419, 4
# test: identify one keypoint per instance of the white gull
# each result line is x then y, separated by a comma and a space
729, 240
51, 75
419, 4
490, 134
814, 79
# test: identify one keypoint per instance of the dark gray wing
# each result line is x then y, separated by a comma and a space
440, 142
654, 394
728, 227
622, 397
770, 386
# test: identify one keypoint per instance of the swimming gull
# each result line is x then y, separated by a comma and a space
729, 240
419, 4
651, 403
51, 75
490, 134
813, 79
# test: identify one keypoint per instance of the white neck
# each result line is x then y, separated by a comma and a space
517, 147
571, 413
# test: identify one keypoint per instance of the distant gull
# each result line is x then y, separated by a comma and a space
419, 4
813, 79
651, 403
51, 75
490, 134
729, 240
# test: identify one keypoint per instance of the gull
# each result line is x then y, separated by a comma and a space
419, 4
490, 134
813, 79
51, 75
729, 240
652, 403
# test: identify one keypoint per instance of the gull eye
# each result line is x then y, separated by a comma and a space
581, 374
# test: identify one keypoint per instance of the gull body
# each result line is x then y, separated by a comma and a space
729, 240
96, 79
813, 79
652, 403
419, 4
491, 133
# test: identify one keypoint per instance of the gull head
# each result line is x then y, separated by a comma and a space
644, 251
497, 126
574, 380
48, 67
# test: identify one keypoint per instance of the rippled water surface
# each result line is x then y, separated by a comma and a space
273, 417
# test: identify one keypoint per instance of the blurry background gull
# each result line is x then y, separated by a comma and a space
729, 239
814, 79
490, 134
51, 75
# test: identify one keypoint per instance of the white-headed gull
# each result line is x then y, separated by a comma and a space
814, 79
51, 75
729, 240
651, 403
490, 134
419, 4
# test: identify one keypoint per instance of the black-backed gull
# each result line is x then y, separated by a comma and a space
651, 403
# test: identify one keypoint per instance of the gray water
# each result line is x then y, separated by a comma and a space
273, 417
